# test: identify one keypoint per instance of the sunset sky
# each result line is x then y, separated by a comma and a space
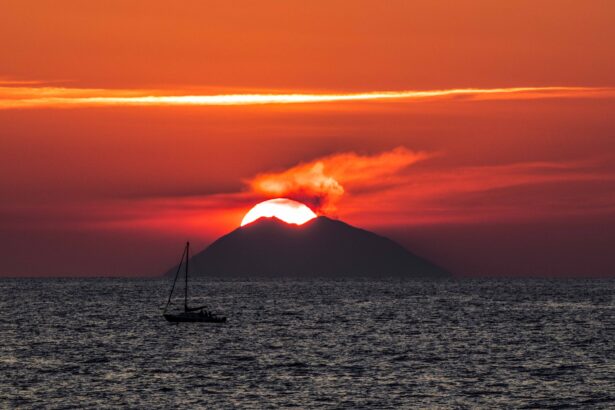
480, 134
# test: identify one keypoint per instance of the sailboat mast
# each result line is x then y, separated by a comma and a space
186, 287
179, 267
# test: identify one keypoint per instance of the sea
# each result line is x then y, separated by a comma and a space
475, 343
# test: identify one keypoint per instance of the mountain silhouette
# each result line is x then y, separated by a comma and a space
322, 247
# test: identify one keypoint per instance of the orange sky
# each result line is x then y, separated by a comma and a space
494, 155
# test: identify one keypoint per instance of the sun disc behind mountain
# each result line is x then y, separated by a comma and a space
287, 210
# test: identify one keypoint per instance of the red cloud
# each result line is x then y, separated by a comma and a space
321, 183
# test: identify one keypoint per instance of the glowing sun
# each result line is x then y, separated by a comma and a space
287, 210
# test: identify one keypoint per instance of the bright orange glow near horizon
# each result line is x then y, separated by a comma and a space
287, 210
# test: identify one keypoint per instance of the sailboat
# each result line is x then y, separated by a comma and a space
190, 314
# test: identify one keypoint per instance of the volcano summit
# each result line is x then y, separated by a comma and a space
320, 248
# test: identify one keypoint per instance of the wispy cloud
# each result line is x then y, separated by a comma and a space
387, 188
320, 183
18, 83
23, 94
505, 192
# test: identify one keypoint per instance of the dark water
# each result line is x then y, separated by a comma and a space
480, 343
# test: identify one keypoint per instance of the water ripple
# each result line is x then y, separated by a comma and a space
102, 343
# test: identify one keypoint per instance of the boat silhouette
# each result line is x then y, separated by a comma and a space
190, 314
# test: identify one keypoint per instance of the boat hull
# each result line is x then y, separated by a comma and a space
190, 317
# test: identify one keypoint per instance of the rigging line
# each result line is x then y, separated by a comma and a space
186, 288
175, 281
